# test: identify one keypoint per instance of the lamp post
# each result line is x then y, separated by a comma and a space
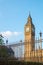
7, 41
41, 44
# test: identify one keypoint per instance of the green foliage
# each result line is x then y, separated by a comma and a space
4, 51
1, 40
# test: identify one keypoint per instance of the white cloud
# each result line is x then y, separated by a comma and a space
17, 33
10, 33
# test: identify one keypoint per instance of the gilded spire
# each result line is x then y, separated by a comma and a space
29, 17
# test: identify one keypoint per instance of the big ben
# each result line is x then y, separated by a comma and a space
29, 37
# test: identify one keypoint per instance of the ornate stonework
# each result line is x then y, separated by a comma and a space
29, 35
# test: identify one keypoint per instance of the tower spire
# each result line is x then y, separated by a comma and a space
29, 18
29, 14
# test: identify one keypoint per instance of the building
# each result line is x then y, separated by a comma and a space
28, 45
30, 54
29, 37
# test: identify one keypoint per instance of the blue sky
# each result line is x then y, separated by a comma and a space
14, 14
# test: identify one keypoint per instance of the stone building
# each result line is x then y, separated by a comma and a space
30, 54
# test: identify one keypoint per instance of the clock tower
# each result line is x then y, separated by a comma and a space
29, 37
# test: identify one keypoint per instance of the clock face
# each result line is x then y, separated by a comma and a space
27, 29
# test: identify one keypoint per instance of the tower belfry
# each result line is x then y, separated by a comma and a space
29, 35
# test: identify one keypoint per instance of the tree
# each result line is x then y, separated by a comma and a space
1, 39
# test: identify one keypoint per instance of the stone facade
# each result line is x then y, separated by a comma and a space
30, 54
